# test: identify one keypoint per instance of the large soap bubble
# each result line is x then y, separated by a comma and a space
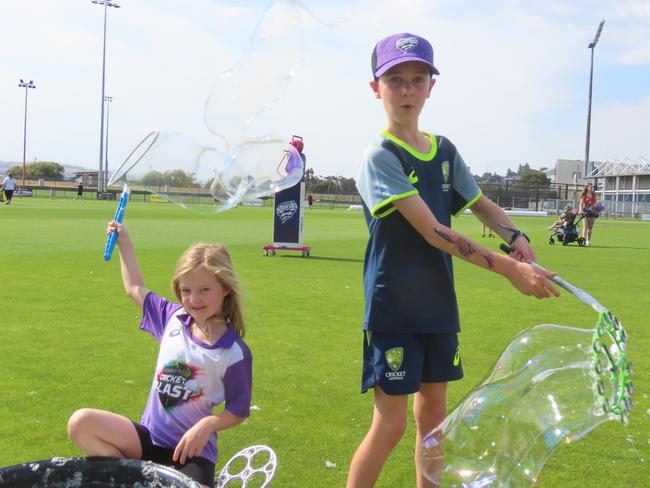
260, 78
329, 13
245, 163
551, 385
175, 168
244, 178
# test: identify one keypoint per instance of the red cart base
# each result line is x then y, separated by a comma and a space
269, 250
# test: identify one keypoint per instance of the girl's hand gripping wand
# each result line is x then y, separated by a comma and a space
119, 216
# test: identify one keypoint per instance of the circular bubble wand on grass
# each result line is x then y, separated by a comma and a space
253, 466
551, 385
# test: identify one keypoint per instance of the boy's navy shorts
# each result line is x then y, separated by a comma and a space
198, 468
398, 363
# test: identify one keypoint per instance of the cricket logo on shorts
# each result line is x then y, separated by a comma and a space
445, 175
394, 358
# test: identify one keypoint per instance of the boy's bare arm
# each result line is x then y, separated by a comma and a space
131, 275
522, 276
496, 219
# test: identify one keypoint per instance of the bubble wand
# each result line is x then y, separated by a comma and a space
131, 160
550, 386
609, 340
119, 216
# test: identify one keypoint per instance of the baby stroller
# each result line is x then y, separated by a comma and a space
565, 230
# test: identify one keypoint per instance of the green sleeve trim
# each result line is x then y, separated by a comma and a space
379, 211
469, 204
421, 156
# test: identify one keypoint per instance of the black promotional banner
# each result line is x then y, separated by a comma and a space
287, 216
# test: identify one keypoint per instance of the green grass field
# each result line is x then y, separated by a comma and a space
70, 336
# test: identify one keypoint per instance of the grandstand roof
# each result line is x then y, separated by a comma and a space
627, 167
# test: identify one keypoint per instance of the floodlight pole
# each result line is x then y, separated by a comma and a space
108, 112
100, 176
591, 46
26, 85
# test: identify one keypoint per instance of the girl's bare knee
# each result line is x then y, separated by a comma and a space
78, 423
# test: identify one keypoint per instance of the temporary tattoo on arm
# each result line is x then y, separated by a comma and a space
465, 246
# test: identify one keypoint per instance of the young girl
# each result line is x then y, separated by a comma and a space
588, 199
202, 362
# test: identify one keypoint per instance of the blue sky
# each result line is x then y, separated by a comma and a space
513, 85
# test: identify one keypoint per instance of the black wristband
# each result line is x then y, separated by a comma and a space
516, 234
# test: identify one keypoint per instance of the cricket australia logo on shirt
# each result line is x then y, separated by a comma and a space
286, 210
177, 384
445, 175
394, 358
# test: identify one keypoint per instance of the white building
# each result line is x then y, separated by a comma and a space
624, 186
571, 172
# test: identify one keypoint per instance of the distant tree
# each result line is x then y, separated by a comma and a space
495, 178
16, 171
309, 176
523, 168
329, 184
153, 178
533, 177
47, 170
178, 178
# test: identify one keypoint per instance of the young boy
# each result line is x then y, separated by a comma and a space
411, 182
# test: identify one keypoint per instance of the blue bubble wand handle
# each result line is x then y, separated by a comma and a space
119, 216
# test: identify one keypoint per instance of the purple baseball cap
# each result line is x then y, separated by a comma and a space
400, 48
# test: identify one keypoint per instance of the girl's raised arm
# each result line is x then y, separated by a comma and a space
131, 274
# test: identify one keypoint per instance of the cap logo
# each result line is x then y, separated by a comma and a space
406, 44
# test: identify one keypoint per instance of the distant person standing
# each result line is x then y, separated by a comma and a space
8, 186
587, 206
310, 200
490, 232
80, 190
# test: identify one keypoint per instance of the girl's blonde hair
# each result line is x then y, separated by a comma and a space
215, 259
